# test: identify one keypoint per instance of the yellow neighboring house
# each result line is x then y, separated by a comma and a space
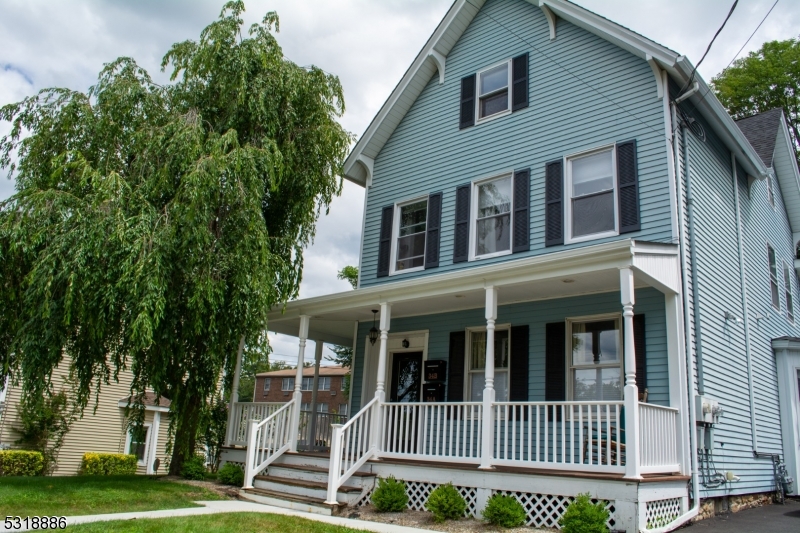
103, 430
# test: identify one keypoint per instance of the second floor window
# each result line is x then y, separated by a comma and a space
787, 287
324, 383
266, 384
308, 384
288, 384
409, 251
773, 278
591, 204
493, 85
492, 216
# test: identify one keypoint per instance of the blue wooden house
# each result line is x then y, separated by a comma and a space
577, 274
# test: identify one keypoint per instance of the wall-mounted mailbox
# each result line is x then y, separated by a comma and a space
435, 371
433, 392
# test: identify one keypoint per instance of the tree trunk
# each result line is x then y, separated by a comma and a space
185, 441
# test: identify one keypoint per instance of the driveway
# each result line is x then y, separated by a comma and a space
767, 519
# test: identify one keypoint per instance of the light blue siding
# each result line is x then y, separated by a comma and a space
584, 92
536, 314
723, 342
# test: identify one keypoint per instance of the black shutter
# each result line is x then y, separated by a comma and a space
434, 226
628, 187
555, 384
640, 346
461, 234
522, 201
455, 366
519, 87
518, 390
385, 249
467, 111
554, 203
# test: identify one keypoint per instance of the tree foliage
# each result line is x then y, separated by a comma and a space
44, 422
763, 80
154, 226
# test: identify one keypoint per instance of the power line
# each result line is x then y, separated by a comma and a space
751, 35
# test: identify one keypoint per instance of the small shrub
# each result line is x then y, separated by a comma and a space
21, 463
390, 496
582, 516
446, 503
194, 468
505, 511
108, 464
231, 474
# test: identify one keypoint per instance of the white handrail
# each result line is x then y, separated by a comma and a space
269, 439
658, 438
244, 413
351, 447
438, 431
581, 436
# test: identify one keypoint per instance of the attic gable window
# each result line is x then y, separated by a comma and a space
493, 89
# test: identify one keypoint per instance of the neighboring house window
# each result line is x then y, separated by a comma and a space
305, 406
492, 217
324, 383
266, 384
787, 287
343, 409
770, 192
591, 209
308, 384
476, 364
322, 407
773, 278
138, 445
595, 360
493, 91
343, 382
288, 384
409, 251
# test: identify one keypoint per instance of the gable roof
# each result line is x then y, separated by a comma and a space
762, 130
433, 58
333, 370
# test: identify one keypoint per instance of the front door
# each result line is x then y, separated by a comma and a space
406, 377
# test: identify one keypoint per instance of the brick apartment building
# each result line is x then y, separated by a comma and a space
278, 386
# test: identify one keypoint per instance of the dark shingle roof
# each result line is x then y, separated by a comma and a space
762, 130
149, 399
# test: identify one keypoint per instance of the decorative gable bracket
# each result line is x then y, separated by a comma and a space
551, 20
439, 59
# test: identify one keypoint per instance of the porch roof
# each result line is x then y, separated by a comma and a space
591, 269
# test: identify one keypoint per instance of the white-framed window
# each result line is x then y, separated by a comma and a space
322, 407
787, 289
324, 383
138, 445
591, 195
494, 91
343, 383
594, 357
343, 408
476, 362
770, 191
306, 406
773, 277
307, 384
492, 216
410, 223
287, 384
266, 384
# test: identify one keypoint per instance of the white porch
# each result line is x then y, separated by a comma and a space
618, 442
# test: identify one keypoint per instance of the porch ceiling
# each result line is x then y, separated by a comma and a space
588, 270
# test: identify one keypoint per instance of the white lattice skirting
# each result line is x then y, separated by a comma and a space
419, 491
659, 513
544, 510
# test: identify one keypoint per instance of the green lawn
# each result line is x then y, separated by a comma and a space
79, 495
218, 523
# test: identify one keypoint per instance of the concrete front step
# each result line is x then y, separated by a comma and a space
304, 459
317, 474
288, 501
347, 494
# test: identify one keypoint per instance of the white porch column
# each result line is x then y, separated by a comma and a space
380, 388
676, 359
153, 445
487, 450
298, 381
234, 397
631, 390
312, 429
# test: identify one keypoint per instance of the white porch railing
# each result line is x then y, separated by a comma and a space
268, 440
584, 436
658, 442
352, 445
433, 431
243, 414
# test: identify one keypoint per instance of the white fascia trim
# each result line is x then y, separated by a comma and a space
157, 408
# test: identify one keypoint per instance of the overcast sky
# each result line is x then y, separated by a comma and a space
368, 43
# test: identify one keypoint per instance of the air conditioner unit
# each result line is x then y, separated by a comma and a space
333, 393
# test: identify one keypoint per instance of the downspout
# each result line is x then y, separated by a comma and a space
743, 281
687, 326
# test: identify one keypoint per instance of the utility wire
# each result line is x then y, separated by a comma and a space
751, 35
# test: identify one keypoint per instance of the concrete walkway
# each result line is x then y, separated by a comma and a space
215, 507
766, 519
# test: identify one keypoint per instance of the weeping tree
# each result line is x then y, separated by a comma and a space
154, 226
